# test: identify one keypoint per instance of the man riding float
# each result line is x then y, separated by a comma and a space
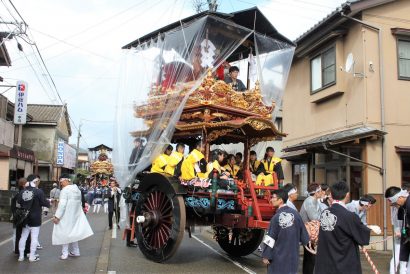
270, 171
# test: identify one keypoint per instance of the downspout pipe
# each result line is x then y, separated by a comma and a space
382, 116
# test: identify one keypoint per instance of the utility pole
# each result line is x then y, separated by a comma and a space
213, 5
78, 145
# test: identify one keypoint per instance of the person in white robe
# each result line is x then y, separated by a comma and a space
70, 222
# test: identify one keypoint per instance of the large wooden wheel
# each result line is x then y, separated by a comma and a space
242, 241
160, 235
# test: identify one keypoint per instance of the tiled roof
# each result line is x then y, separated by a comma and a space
336, 137
352, 7
45, 113
99, 147
48, 114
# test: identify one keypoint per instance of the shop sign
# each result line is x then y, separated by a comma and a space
22, 154
20, 106
60, 153
69, 157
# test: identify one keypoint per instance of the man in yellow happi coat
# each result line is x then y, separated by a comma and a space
174, 159
253, 162
161, 162
270, 169
231, 167
194, 165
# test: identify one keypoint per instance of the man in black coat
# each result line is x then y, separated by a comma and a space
341, 232
18, 227
136, 153
33, 199
114, 196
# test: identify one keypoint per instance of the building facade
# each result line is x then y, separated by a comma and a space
346, 103
47, 135
15, 161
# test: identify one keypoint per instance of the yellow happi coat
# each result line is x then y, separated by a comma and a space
173, 161
160, 163
254, 166
214, 165
188, 165
233, 170
267, 180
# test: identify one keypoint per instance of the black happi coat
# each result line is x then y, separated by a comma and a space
36, 198
404, 215
341, 232
287, 229
111, 205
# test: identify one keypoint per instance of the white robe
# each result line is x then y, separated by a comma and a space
73, 225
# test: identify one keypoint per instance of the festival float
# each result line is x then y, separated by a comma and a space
174, 79
102, 169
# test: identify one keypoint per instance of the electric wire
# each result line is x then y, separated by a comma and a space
94, 25
48, 73
72, 45
91, 38
38, 78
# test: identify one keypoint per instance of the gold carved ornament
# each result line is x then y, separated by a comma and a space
218, 133
258, 125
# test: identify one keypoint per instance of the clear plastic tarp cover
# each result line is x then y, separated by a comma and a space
157, 78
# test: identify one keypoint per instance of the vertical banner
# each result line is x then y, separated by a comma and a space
60, 152
20, 106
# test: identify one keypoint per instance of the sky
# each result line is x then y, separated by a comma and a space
80, 43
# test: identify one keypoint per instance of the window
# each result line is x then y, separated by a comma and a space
323, 70
300, 178
403, 49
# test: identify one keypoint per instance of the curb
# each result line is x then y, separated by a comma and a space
103, 259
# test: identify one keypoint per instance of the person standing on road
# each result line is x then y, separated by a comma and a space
98, 198
361, 206
292, 195
310, 211
70, 223
286, 231
17, 225
114, 196
399, 198
340, 234
32, 199
54, 196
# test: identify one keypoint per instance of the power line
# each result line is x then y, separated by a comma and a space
38, 78
97, 35
18, 13
93, 121
95, 25
74, 46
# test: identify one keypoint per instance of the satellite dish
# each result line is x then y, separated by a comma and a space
349, 63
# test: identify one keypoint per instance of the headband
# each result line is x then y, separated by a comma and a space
364, 202
317, 190
292, 191
401, 193
32, 183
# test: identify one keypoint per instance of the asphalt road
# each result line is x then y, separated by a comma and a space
199, 254
49, 255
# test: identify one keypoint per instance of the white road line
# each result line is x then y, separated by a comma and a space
11, 238
111, 272
114, 229
244, 268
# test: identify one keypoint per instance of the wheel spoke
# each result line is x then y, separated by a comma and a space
150, 202
155, 199
165, 202
164, 217
162, 235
